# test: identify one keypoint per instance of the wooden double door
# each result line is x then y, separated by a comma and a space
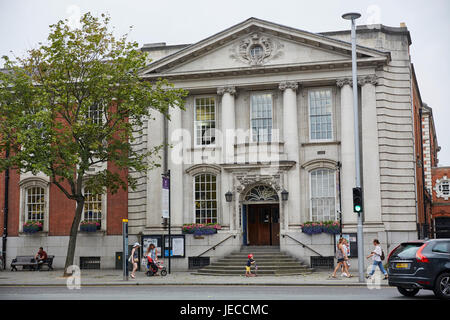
263, 225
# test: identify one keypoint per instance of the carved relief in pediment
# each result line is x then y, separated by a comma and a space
256, 50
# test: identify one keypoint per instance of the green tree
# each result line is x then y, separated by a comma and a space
76, 102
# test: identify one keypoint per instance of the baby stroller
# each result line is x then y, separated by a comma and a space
152, 268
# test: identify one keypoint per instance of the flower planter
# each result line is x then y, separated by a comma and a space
31, 229
329, 227
91, 226
32, 226
200, 229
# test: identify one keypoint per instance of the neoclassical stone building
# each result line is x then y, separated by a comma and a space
270, 109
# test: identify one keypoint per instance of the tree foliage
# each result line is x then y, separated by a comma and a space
75, 102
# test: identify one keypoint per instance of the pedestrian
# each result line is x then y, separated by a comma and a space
341, 258
250, 261
152, 252
134, 258
377, 255
346, 265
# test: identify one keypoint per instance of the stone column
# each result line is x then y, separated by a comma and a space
228, 122
291, 147
348, 174
370, 150
228, 136
175, 165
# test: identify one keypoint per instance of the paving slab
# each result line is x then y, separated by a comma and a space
106, 277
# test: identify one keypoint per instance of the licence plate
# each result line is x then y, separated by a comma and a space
402, 265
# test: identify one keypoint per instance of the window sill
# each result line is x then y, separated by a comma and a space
321, 143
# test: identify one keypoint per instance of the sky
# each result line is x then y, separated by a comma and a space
24, 23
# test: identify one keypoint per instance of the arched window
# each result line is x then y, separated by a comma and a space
34, 203
323, 194
261, 193
205, 198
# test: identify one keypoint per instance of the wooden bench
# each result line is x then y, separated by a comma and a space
31, 263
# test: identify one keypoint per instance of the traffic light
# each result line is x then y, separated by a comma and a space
357, 200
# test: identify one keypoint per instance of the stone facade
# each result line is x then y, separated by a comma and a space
288, 64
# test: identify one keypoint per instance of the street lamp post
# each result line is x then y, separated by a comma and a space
353, 16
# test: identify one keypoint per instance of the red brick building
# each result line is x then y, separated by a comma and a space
441, 202
35, 198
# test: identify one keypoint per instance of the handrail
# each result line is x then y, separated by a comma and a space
218, 244
304, 245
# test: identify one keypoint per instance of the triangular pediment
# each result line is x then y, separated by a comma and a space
255, 44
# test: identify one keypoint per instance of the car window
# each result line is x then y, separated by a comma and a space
442, 247
406, 250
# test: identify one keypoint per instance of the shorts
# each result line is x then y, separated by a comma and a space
247, 269
341, 260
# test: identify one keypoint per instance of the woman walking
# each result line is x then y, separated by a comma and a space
377, 261
134, 259
341, 258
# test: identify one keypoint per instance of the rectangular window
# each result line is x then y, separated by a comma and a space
205, 121
323, 195
95, 114
205, 198
92, 206
35, 203
320, 115
261, 117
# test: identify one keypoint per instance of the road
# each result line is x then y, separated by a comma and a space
206, 293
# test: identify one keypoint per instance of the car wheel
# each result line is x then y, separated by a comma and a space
442, 286
408, 292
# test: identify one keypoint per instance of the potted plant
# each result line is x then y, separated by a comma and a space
32, 226
89, 226
331, 227
312, 227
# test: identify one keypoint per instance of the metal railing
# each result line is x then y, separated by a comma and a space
301, 243
216, 245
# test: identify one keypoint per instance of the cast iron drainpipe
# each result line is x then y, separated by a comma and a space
5, 213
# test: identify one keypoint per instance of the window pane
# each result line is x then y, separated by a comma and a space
205, 121
320, 109
35, 203
205, 198
261, 121
92, 206
323, 195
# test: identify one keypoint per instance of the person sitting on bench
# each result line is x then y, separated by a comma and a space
40, 257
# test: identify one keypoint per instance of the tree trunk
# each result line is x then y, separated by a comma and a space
73, 237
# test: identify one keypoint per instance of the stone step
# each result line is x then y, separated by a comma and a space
258, 263
267, 268
259, 272
270, 261
259, 254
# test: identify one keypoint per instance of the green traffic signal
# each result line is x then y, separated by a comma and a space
357, 199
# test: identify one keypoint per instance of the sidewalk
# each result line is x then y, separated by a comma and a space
115, 278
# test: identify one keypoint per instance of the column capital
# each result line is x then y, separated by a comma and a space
344, 81
288, 85
226, 89
372, 79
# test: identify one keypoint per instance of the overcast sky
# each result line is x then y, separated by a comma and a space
24, 23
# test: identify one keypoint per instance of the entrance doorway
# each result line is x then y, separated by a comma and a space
263, 224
